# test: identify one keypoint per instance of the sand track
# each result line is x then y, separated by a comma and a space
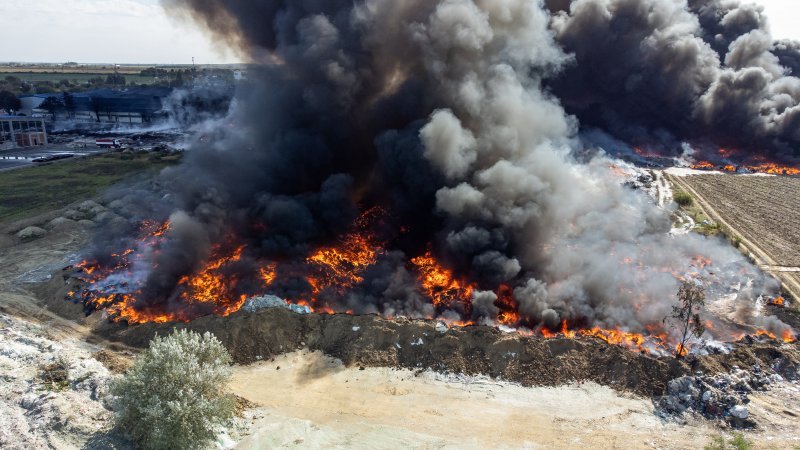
312, 401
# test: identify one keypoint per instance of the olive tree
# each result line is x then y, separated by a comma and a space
174, 396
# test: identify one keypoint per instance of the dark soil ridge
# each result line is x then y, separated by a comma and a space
373, 341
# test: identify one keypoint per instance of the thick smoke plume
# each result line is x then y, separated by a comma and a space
436, 112
658, 72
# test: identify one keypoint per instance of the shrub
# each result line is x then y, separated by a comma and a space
174, 395
683, 199
739, 442
55, 375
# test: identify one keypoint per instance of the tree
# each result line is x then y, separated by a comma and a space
115, 79
52, 105
69, 104
9, 102
691, 301
174, 395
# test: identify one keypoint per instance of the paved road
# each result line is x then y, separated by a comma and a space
18, 158
9, 164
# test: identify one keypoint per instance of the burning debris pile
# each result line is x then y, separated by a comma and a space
404, 159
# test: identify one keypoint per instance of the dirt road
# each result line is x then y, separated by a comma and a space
312, 401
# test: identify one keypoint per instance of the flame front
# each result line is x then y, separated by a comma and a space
439, 283
770, 168
222, 285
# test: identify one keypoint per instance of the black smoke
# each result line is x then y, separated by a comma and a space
450, 116
656, 72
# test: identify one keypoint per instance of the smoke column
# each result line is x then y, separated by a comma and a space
442, 113
661, 71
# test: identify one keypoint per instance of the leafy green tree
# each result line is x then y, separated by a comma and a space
9, 102
174, 395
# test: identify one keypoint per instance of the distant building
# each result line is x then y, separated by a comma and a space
21, 131
129, 106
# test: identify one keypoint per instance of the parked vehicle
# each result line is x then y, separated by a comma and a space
108, 143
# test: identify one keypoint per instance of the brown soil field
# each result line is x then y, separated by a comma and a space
763, 212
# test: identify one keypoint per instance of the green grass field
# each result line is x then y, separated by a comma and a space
81, 78
36, 190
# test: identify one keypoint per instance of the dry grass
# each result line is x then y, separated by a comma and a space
39, 189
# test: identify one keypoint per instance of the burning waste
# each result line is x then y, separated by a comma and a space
409, 159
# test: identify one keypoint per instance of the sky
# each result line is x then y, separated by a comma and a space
139, 31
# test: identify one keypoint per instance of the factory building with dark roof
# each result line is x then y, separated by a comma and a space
128, 106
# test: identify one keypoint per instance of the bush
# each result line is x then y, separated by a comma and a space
739, 442
174, 395
55, 375
683, 199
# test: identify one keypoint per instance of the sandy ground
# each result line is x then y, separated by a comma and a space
311, 401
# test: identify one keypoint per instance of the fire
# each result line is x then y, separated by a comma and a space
760, 167
343, 265
778, 301
210, 286
787, 336
704, 165
230, 275
267, 273
774, 169
617, 337
508, 305
440, 284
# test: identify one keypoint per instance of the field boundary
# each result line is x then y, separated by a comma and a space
762, 259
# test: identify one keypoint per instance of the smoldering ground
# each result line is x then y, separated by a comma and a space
448, 115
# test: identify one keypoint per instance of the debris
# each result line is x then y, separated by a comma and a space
740, 412
255, 304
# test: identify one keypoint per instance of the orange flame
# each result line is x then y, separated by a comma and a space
704, 165
778, 301
440, 284
763, 167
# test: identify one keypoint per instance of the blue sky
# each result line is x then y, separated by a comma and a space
139, 31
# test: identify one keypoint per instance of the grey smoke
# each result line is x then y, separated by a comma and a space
439, 112
706, 71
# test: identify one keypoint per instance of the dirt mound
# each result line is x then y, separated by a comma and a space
373, 341
421, 345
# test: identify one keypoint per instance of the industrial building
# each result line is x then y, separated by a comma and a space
21, 131
127, 106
